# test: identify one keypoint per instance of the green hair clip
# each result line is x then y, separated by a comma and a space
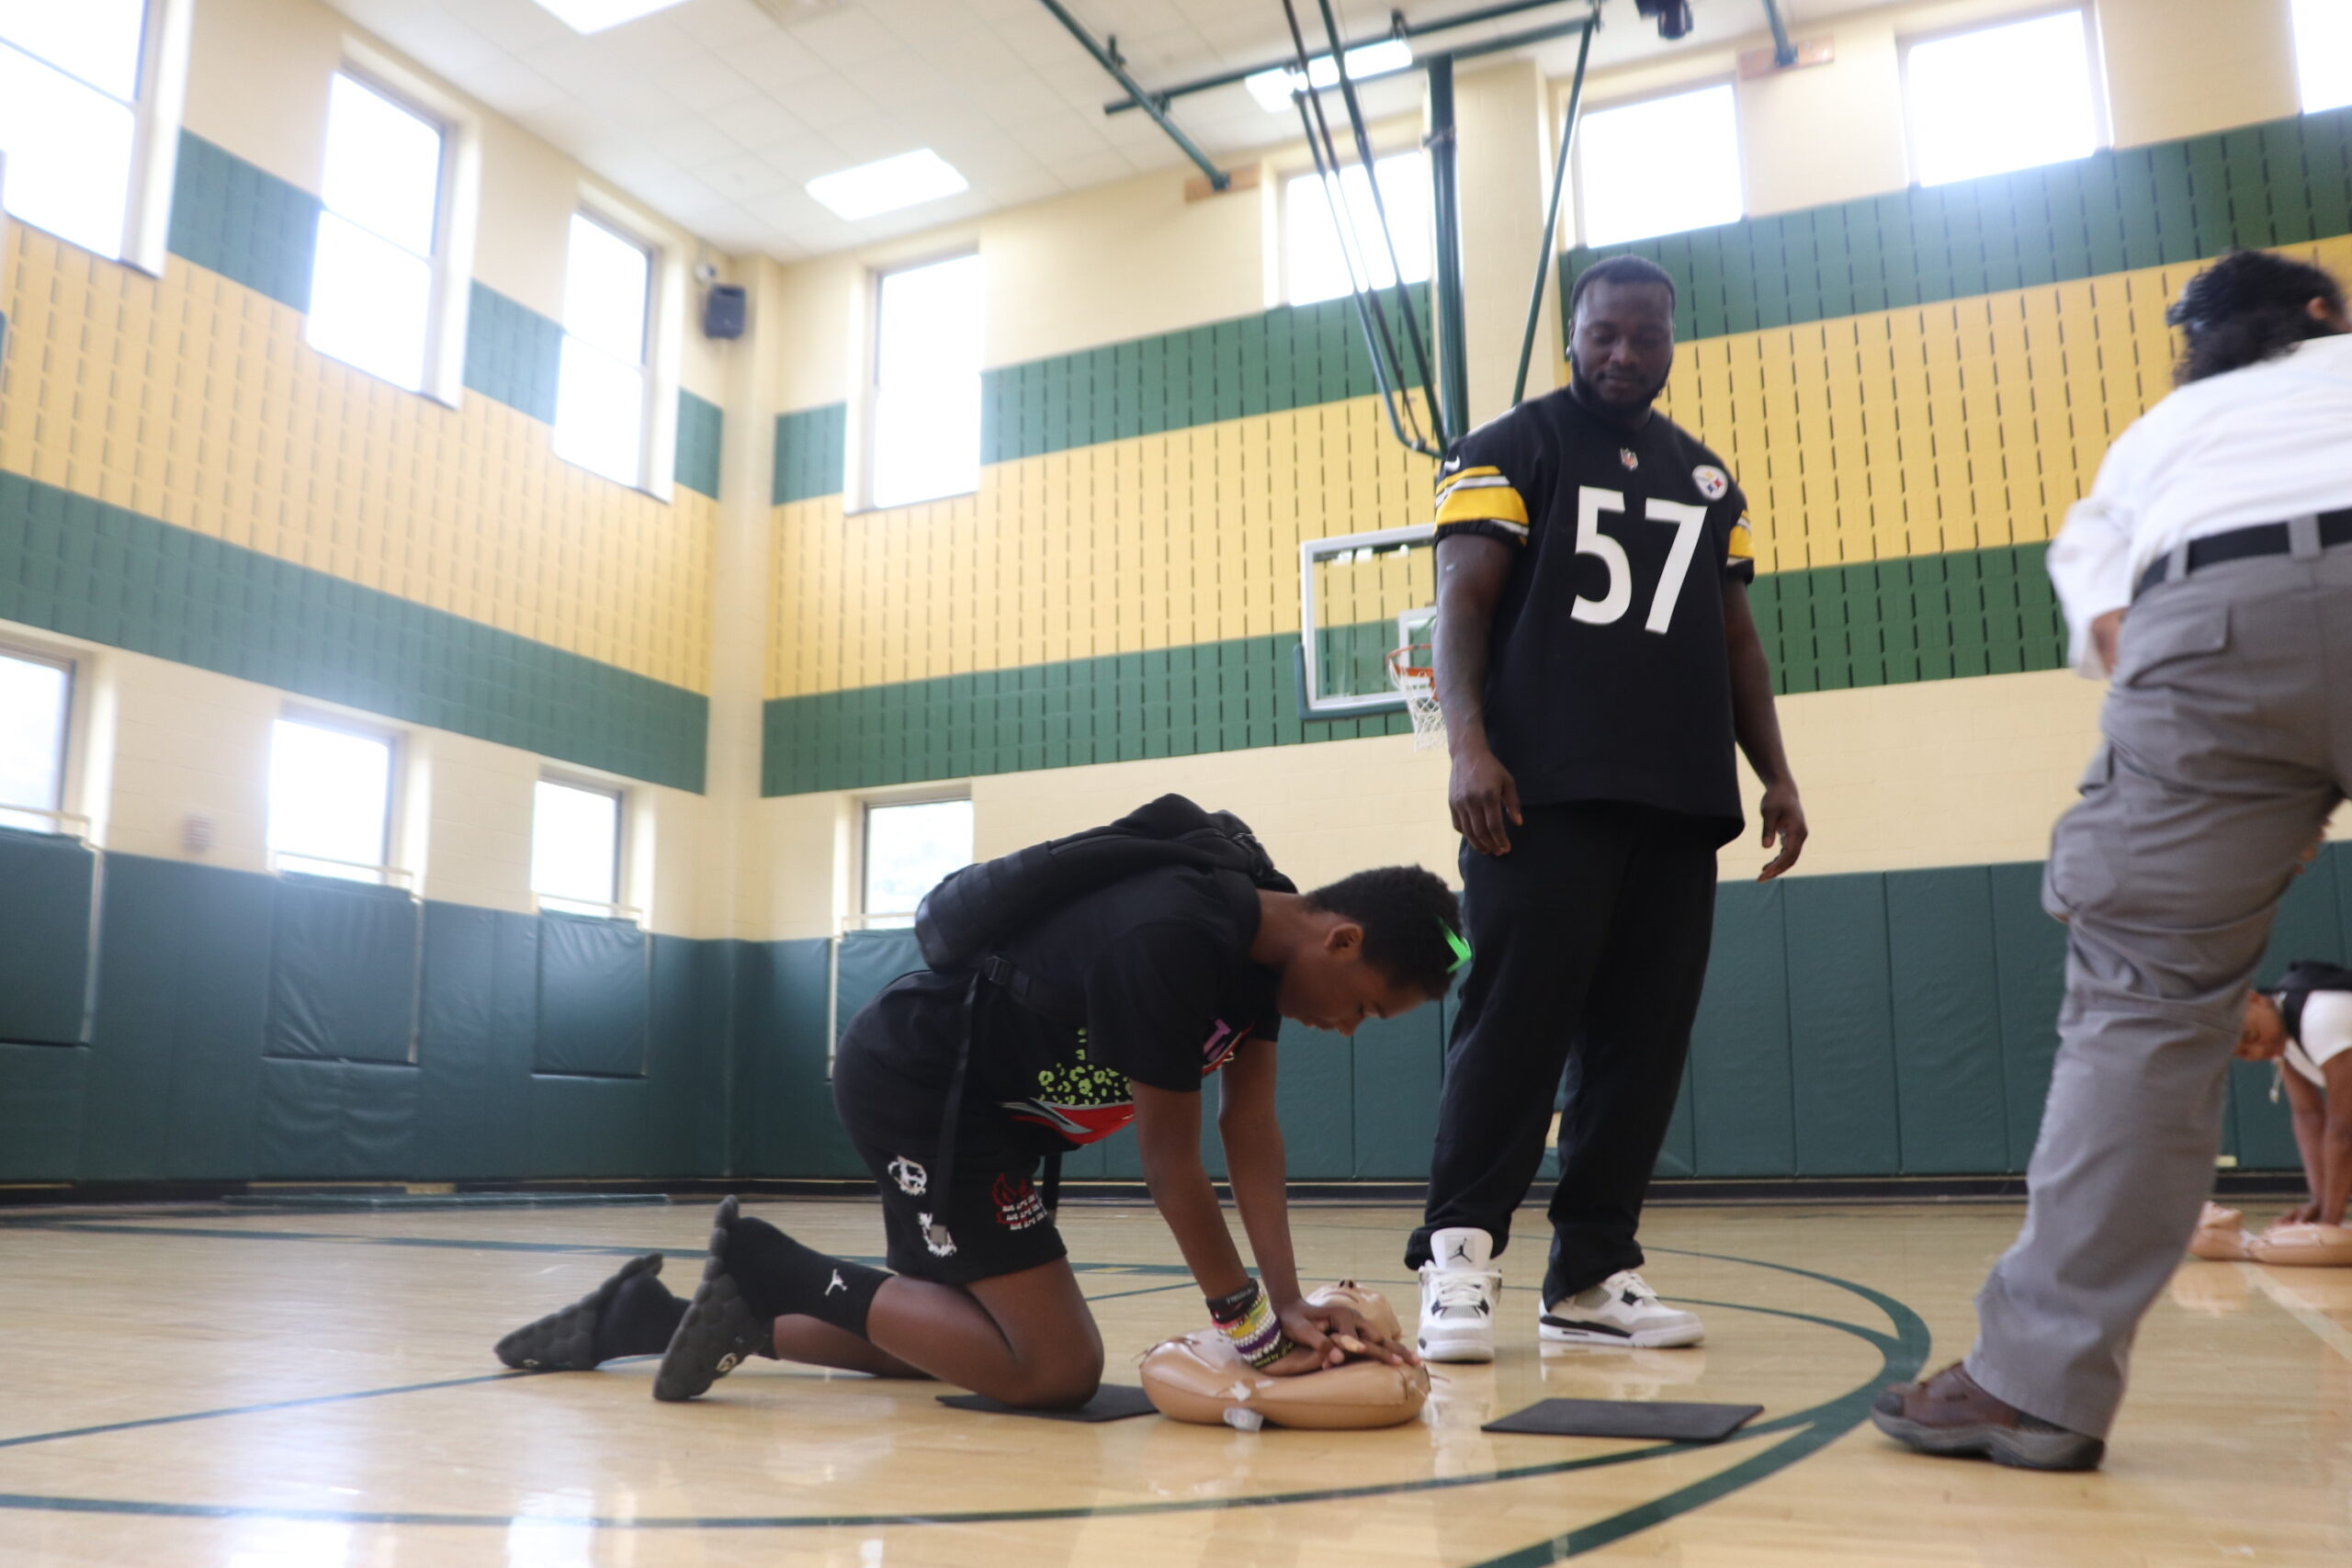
1461, 948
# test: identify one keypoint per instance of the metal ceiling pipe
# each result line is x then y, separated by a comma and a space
1155, 107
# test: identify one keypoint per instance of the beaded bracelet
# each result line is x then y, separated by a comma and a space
1248, 1320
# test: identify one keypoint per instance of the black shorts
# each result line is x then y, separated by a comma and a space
990, 1219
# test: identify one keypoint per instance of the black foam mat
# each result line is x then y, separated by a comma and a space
1653, 1418
1112, 1402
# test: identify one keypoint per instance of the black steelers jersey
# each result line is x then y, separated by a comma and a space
1607, 677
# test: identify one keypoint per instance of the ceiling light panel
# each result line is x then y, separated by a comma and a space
870, 189
596, 16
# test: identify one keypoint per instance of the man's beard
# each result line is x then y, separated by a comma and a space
1588, 388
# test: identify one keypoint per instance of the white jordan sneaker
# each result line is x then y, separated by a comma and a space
1458, 1292
1621, 1310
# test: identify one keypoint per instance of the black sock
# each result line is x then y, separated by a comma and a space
779, 1276
638, 1320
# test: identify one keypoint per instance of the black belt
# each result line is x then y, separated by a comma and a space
2239, 544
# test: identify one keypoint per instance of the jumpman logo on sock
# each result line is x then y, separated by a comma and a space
837, 1284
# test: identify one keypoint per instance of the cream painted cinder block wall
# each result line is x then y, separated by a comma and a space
1945, 773
258, 78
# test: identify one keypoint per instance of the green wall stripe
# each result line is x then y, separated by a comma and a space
700, 427
243, 222
1292, 356
811, 451
2282, 182
83, 568
512, 352
1883, 623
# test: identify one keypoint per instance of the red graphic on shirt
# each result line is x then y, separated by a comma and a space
1018, 1207
1091, 1124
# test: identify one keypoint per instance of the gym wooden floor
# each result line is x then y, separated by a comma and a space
296, 1391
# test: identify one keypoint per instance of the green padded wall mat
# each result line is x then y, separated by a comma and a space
173, 1088
1841, 1024
686, 1064
783, 1029
585, 1126
344, 963
1398, 1068
513, 353
1947, 1022
2030, 959
1315, 1099
42, 1108
338, 1120
870, 961
51, 884
1742, 1120
595, 995
478, 1025
249, 226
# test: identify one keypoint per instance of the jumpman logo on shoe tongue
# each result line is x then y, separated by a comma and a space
1462, 1249
837, 1284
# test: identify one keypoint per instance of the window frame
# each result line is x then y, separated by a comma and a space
389, 873
2085, 12
618, 907
860, 918
1574, 211
663, 348
1287, 175
2295, 50
157, 109
68, 714
866, 427
456, 218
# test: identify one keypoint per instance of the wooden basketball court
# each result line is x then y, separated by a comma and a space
280, 1390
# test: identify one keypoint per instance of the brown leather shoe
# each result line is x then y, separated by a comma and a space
1951, 1414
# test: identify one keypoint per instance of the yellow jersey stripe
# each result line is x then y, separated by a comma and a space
1743, 542
1496, 503
1447, 481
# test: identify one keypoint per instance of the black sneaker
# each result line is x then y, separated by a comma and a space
719, 1328
565, 1341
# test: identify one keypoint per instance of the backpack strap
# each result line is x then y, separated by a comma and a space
1058, 1004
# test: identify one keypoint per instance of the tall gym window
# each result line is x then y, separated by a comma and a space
926, 409
373, 293
35, 695
1317, 263
576, 847
909, 847
599, 403
330, 800
1659, 166
1998, 98
80, 121
2323, 54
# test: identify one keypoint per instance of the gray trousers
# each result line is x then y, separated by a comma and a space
2228, 741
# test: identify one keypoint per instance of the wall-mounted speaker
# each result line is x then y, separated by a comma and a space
722, 311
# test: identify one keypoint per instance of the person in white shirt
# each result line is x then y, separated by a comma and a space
2209, 573
2304, 1023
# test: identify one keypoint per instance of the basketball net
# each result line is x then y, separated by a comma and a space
1411, 671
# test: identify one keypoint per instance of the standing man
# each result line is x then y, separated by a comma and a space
1596, 659
2223, 520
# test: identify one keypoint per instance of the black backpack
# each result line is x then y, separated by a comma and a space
2299, 981
962, 922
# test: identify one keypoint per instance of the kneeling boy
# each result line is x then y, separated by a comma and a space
953, 1085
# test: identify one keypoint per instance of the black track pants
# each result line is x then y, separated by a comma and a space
1591, 942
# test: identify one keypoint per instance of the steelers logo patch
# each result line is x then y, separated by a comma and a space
1712, 481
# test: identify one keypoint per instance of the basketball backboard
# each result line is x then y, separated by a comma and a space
1360, 595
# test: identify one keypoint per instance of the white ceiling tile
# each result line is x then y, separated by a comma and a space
718, 24
516, 26
744, 176
692, 143
776, 59
756, 123
708, 83
825, 100
512, 88
846, 38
